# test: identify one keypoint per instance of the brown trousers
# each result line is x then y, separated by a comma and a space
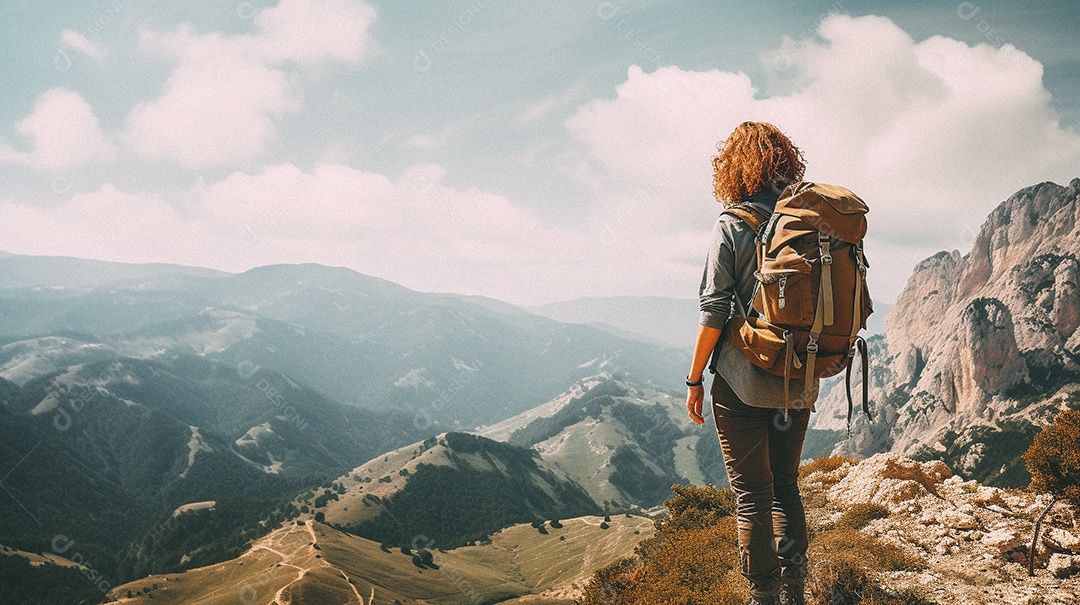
761, 453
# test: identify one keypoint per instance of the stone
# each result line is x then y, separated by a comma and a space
1060, 540
957, 520
1063, 566
1003, 540
986, 496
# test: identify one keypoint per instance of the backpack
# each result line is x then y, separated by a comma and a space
810, 297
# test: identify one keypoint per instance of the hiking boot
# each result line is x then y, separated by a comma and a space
764, 600
792, 594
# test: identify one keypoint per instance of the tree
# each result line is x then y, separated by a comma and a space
1053, 460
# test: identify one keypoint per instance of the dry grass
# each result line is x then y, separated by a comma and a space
879, 596
845, 564
692, 558
860, 515
825, 464
814, 493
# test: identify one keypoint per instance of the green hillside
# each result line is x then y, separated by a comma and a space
455, 488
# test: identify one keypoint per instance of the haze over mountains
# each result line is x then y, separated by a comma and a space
132, 392
358, 339
670, 322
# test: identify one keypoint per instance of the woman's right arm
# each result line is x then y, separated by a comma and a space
695, 396
715, 295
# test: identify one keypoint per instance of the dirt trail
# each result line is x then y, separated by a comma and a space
299, 576
301, 571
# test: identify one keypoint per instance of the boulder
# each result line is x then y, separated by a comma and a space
1003, 540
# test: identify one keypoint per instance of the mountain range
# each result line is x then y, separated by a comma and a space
157, 418
359, 339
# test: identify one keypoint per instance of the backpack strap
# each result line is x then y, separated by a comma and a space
754, 218
749, 214
825, 254
859, 345
757, 220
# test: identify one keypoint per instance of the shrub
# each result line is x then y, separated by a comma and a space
695, 507
692, 558
1053, 460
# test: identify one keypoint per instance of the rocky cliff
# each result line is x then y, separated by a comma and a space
981, 349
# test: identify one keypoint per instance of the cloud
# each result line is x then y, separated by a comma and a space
316, 30
414, 229
63, 133
107, 224
933, 134
221, 103
76, 40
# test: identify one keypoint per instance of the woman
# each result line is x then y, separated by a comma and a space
761, 449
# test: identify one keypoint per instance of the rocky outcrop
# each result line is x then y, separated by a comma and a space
974, 539
979, 345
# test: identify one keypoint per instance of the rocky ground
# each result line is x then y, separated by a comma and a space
973, 538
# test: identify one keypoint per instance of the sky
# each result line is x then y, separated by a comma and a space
526, 151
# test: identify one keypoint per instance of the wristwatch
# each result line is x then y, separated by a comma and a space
694, 383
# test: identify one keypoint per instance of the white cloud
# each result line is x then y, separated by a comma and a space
414, 229
63, 133
316, 30
932, 134
220, 105
76, 40
107, 224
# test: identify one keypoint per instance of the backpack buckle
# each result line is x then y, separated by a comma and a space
826, 259
812, 346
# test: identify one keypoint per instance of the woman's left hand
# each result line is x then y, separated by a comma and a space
695, 398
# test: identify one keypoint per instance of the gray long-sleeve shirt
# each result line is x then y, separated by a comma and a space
729, 269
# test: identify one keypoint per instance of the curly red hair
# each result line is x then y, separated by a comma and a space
756, 156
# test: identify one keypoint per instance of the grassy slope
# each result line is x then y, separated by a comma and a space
518, 561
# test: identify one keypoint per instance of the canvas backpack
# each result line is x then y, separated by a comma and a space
810, 296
